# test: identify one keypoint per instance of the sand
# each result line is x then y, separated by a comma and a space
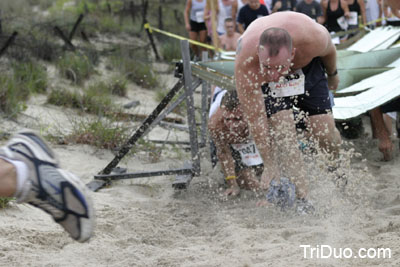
145, 222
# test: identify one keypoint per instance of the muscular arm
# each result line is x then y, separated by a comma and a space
224, 153
363, 12
328, 57
186, 14
345, 7
253, 106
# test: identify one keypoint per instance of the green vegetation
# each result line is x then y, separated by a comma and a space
4, 201
99, 133
75, 67
30, 75
90, 101
132, 63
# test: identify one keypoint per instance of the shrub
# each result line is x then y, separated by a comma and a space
90, 101
31, 75
75, 67
12, 96
98, 133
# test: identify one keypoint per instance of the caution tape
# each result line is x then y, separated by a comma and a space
151, 29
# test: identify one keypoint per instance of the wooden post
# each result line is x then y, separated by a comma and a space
152, 43
214, 23
8, 43
71, 34
160, 17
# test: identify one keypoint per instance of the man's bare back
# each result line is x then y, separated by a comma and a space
271, 48
310, 39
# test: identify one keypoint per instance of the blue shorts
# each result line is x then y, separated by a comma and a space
314, 101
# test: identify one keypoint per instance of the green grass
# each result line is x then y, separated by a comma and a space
30, 75
12, 96
4, 201
99, 133
90, 101
76, 67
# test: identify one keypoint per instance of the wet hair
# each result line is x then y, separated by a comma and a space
230, 100
229, 19
274, 39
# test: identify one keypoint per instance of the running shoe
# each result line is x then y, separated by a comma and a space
50, 188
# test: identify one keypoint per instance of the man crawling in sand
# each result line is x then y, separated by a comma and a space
236, 152
286, 60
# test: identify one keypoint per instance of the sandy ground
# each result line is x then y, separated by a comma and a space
144, 222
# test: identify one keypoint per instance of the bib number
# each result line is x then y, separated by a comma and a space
248, 153
200, 16
292, 85
353, 18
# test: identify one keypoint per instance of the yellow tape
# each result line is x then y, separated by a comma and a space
147, 26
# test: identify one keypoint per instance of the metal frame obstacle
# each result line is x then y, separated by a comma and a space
184, 175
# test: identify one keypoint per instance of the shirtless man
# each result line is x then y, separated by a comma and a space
235, 151
229, 40
286, 44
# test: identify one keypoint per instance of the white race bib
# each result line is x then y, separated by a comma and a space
248, 153
200, 16
353, 18
293, 85
342, 23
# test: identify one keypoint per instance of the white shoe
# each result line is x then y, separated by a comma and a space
54, 190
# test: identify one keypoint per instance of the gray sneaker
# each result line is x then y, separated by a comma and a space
50, 188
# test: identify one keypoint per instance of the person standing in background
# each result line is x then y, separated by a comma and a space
333, 11
228, 41
357, 9
312, 9
195, 25
250, 12
283, 5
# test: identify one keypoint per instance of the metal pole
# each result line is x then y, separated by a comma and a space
204, 105
139, 133
187, 75
170, 108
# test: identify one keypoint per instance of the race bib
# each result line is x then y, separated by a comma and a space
293, 85
342, 23
353, 18
200, 16
248, 153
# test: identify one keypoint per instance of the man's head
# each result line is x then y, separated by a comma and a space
254, 4
275, 53
233, 114
229, 26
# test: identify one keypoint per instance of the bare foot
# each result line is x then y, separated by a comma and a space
232, 191
263, 203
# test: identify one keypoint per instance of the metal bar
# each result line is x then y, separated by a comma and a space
59, 32
142, 174
72, 33
187, 76
169, 142
204, 104
170, 108
139, 132
8, 43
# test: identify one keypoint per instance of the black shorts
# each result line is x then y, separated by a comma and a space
393, 105
197, 27
314, 101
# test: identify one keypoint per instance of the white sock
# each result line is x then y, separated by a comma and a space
22, 174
